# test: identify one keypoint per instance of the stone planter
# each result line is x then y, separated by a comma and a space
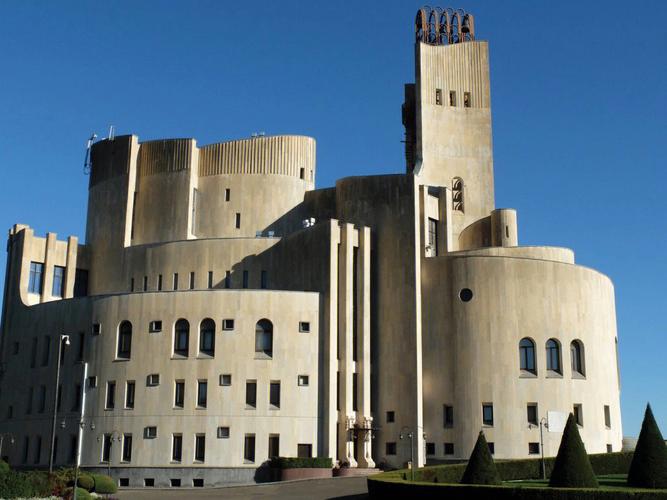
305, 473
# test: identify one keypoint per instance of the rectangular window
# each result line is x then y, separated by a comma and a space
111, 395
274, 395
466, 100
26, 450
38, 450
274, 443
354, 392
145, 287
531, 413
159, 282
127, 447
179, 394
533, 448
42, 399
607, 417
302, 173
33, 353
609, 448
200, 447
452, 98
202, 389
448, 416
249, 448
31, 392
175, 281
81, 283
251, 394
438, 97
58, 281
124, 341
210, 279
106, 448
131, 284
432, 238
223, 432
449, 448
96, 329
35, 280
46, 351
175, 482
192, 280
238, 220
302, 380
194, 210
245, 279
92, 382
304, 450
228, 194
391, 417
492, 448
176, 447
73, 447
390, 448
430, 448
228, 324
578, 412
228, 279
304, 326
264, 279
129, 394
149, 482
207, 339
487, 414
226, 379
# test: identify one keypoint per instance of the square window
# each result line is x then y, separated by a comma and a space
304, 450
227, 324
223, 432
155, 326
92, 382
304, 326
226, 379
390, 417
175, 482
303, 380
198, 483
533, 448
487, 414
150, 432
153, 380
449, 448
149, 482
123, 482
430, 448
390, 448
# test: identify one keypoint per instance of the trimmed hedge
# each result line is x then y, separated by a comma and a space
649, 464
301, 463
85, 481
104, 484
4, 467
81, 494
24, 485
572, 468
480, 468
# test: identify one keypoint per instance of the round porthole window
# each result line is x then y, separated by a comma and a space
465, 294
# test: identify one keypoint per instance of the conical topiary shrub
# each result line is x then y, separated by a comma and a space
481, 469
649, 462
572, 468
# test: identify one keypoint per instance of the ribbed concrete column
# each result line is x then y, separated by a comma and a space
70, 266
445, 208
346, 415
49, 257
363, 364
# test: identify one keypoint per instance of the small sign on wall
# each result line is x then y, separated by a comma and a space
556, 421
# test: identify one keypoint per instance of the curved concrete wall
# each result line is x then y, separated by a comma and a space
471, 351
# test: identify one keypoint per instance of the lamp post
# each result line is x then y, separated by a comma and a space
543, 423
62, 339
412, 450
2, 438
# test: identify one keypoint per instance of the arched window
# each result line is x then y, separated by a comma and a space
182, 337
577, 357
527, 355
207, 337
124, 340
264, 338
553, 356
457, 194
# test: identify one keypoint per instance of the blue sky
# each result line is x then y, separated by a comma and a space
579, 114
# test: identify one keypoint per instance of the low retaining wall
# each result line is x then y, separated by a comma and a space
305, 473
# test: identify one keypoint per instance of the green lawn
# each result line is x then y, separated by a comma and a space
607, 482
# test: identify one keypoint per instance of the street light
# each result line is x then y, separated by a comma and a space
63, 339
412, 451
2, 438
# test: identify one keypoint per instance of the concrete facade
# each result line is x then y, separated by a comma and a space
383, 308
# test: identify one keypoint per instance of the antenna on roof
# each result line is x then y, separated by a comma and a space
112, 133
87, 163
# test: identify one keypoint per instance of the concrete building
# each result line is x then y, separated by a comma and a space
222, 310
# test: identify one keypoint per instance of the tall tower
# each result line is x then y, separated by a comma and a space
447, 114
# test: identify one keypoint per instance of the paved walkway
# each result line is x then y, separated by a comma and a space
340, 488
